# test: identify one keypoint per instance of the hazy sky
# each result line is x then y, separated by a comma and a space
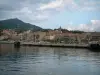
70, 14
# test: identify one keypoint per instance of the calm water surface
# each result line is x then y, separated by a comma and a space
48, 61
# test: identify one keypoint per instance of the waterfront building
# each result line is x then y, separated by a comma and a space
8, 34
32, 36
38, 36
95, 36
4, 37
51, 35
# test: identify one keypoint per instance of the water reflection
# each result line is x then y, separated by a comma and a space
48, 61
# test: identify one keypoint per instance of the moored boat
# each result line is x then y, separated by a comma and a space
94, 46
16, 44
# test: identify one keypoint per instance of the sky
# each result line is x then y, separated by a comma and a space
69, 14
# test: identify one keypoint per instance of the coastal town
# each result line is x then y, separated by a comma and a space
59, 35
49, 37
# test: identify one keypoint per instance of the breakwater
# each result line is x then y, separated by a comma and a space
94, 47
56, 45
48, 44
7, 42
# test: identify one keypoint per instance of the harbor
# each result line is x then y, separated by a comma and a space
29, 60
47, 44
62, 45
49, 37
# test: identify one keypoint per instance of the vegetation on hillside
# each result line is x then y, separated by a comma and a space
17, 24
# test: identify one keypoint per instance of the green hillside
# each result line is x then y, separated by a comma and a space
16, 23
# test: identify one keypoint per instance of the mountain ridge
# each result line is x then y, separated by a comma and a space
17, 23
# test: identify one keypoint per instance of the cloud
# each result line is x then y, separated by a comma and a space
41, 10
89, 5
93, 26
71, 5
32, 8
58, 5
23, 9
53, 4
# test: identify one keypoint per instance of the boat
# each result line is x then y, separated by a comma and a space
16, 44
94, 46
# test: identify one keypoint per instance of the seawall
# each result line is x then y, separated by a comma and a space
56, 45
48, 44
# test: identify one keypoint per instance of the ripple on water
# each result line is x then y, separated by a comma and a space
48, 61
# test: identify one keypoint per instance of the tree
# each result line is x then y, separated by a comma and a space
77, 31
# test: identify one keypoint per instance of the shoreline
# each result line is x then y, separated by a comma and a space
47, 44
6, 42
58, 45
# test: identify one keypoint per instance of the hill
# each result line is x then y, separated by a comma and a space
17, 24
